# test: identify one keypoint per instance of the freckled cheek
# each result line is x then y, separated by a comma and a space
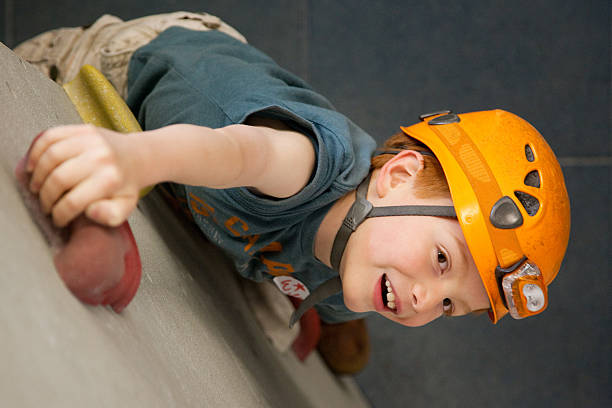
389, 250
380, 247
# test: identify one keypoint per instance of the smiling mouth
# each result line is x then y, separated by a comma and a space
386, 292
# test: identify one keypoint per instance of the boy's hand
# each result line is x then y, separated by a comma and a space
81, 168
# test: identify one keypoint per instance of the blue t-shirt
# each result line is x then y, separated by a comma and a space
210, 79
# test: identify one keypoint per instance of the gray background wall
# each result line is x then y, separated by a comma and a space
384, 62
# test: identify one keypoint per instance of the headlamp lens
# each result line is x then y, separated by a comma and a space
525, 291
534, 296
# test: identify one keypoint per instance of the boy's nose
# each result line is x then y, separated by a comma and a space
423, 297
419, 296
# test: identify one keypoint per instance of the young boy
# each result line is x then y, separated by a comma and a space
456, 214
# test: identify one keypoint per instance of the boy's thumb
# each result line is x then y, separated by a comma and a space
111, 212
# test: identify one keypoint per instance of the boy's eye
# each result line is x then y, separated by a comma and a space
442, 260
447, 306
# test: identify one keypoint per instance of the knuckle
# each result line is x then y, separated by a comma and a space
104, 154
48, 134
87, 129
58, 180
90, 133
113, 178
53, 134
52, 153
69, 204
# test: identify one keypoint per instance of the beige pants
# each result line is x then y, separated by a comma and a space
108, 44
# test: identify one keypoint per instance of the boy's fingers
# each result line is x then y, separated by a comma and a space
102, 184
111, 212
62, 178
47, 138
53, 157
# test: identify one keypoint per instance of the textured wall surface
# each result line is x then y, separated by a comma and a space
384, 62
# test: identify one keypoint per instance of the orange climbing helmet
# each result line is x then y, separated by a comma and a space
510, 199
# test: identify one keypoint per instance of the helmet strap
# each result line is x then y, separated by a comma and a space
362, 209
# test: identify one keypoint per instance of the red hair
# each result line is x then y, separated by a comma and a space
430, 180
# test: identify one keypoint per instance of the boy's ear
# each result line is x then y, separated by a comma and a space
400, 169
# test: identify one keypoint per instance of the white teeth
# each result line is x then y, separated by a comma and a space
390, 295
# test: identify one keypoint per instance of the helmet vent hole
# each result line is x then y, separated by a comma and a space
529, 202
532, 179
529, 153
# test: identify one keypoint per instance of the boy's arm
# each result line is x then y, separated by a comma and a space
275, 161
79, 169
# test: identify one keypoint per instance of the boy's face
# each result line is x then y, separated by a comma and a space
425, 259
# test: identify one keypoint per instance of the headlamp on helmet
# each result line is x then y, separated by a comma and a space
525, 293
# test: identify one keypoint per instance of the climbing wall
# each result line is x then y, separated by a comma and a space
188, 339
